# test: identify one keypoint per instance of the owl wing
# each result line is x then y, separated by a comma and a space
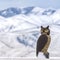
42, 40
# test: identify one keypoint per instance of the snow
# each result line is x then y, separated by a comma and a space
19, 34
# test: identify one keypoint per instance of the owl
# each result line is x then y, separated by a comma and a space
43, 41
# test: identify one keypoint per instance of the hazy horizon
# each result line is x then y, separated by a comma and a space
26, 3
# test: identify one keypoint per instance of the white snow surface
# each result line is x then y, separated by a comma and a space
19, 34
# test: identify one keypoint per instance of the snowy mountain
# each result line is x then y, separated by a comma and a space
10, 12
31, 17
20, 29
49, 12
27, 10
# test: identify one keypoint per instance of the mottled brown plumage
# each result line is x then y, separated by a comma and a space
43, 41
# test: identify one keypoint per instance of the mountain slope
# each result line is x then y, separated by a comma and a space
19, 33
10, 12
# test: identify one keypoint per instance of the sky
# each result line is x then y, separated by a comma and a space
26, 3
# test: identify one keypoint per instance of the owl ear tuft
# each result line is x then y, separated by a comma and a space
48, 27
41, 26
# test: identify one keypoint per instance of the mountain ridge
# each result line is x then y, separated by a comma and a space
12, 11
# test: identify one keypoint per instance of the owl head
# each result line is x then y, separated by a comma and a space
45, 30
